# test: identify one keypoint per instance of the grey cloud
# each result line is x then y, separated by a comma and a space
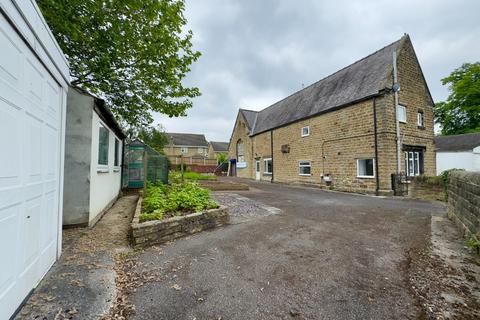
257, 52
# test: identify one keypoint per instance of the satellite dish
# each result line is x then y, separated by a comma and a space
396, 87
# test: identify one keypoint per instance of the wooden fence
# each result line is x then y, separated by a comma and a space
174, 160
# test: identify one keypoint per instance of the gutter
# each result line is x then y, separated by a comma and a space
377, 175
271, 153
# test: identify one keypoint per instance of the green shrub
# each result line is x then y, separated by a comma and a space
176, 199
446, 179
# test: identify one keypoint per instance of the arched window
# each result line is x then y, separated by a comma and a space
240, 151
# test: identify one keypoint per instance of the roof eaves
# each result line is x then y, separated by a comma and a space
380, 93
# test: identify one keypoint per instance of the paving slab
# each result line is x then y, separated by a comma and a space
81, 284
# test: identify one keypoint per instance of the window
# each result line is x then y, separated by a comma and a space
305, 131
117, 151
200, 150
102, 145
268, 166
305, 168
420, 119
365, 168
183, 150
240, 151
402, 113
413, 163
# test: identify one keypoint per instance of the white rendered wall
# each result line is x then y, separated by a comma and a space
105, 181
458, 160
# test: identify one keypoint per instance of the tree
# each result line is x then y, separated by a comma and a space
460, 113
222, 157
133, 53
155, 137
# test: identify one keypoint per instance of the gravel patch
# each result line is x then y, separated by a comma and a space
242, 209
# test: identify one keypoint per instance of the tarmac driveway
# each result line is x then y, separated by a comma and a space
327, 255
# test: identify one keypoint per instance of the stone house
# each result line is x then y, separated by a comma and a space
186, 144
341, 132
215, 148
461, 151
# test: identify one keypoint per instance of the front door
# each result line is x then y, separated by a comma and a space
257, 170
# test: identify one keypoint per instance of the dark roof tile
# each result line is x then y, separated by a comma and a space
459, 142
187, 139
358, 81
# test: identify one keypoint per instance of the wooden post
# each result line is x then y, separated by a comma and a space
181, 166
145, 163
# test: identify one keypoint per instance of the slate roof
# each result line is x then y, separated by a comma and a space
459, 142
219, 146
250, 117
358, 81
187, 139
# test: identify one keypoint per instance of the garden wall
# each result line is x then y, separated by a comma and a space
464, 201
160, 231
427, 188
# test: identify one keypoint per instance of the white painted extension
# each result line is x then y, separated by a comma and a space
33, 86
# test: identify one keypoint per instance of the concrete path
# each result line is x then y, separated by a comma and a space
327, 255
81, 284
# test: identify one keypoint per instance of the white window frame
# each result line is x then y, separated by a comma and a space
300, 165
201, 150
265, 166
305, 134
184, 150
412, 163
103, 167
116, 155
358, 169
420, 119
404, 108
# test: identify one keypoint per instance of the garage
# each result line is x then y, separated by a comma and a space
33, 84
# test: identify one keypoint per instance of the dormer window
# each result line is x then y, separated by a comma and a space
305, 132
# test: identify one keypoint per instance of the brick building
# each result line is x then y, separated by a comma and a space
341, 131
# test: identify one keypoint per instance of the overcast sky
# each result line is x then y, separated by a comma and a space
256, 52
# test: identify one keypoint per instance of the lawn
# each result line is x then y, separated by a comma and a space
189, 175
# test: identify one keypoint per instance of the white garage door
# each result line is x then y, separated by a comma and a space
30, 128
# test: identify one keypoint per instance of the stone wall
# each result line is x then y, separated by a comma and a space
426, 189
160, 231
464, 201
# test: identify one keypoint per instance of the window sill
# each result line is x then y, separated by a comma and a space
366, 177
267, 173
306, 135
305, 174
117, 169
102, 170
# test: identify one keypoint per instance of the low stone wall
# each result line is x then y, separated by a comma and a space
216, 185
160, 231
426, 190
464, 201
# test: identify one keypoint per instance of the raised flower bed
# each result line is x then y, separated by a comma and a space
168, 213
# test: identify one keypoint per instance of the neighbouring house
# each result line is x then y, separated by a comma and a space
189, 148
93, 159
215, 148
460, 151
34, 79
341, 132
